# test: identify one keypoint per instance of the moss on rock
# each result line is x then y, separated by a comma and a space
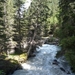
19, 58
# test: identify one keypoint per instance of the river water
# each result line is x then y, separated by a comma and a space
45, 63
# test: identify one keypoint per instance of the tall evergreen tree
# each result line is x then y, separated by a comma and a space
67, 28
2, 35
38, 16
36, 21
17, 23
9, 16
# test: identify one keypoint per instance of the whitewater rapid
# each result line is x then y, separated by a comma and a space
42, 63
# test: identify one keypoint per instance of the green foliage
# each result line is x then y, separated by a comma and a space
68, 43
16, 27
38, 19
2, 35
43, 15
2, 73
66, 29
18, 24
54, 11
70, 56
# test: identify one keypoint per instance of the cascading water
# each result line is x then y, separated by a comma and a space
45, 63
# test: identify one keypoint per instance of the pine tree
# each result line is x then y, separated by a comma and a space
35, 20
18, 23
66, 30
39, 15
2, 27
9, 25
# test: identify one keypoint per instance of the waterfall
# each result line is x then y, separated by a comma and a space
45, 63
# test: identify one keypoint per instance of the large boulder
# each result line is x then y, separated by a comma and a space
9, 66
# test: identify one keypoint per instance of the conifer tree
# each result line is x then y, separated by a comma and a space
9, 25
66, 31
17, 23
38, 16
35, 20
2, 35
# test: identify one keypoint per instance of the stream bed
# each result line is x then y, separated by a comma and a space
45, 63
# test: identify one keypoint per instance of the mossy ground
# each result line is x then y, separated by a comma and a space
20, 58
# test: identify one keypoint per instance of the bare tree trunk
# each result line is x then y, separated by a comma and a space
19, 29
31, 44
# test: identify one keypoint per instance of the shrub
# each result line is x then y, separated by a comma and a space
2, 72
70, 56
68, 43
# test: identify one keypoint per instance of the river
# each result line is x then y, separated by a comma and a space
45, 63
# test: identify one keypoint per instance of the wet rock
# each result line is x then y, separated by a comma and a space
62, 69
9, 66
31, 55
68, 72
55, 62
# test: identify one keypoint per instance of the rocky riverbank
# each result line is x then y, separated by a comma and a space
8, 64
